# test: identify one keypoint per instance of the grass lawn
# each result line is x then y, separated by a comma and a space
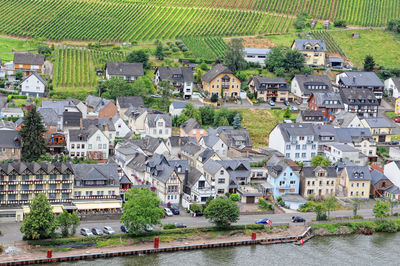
78, 93
8, 45
391, 115
283, 39
381, 45
260, 122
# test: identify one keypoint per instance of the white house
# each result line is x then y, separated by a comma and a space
158, 125
196, 189
347, 120
121, 128
256, 55
217, 176
126, 71
176, 108
392, 171
304, 85
11, 112
136, 119
90, 143
33, 85
339, 152
392, 87
297, 141
179, 77
214, 142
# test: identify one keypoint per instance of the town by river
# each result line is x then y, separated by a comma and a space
377, 249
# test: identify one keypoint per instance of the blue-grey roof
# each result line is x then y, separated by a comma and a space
358, 173
344, 147
378, 122
377, 176
179, 105
347, 135
301, 44
393, 189
328, 100
212, 166
210, 140
335, 60
361, 79
256, 51
50, 117
296, 129
58, 106
107, 172
10, 139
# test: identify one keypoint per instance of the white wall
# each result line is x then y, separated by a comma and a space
93, 144
121, 128
32, 86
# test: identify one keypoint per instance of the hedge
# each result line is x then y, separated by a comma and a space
16, 96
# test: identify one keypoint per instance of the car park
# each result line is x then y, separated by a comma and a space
272, 103
124, 229
263, 221
97, 231
86, 232
168, 212
180, 225
174, 210
298, 219
108, 230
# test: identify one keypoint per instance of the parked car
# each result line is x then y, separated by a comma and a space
156, 96
86, 232
298, 219
168, 212
148, 228
297, 102
394, 142
124, 229
198, 213
97, 231
397, 120
286, 103
293, 108
263, 221
108, 230
180, 225
272, 103
174, 210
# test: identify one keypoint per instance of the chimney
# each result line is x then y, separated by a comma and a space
81, 123
354, 80
106, 127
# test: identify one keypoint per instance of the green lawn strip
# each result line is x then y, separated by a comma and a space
9, 45
354, 226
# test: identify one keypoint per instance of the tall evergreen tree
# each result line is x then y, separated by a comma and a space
234, 56
32, 132
369, 63
237, 121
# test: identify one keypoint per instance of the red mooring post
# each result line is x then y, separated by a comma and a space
302, 241
253, 236
49, 253
156, 242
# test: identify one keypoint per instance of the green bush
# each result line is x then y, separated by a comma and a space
356, 217
265, 205
234, 197
16, 96
306, 207
386, 226
196, 207
169, 226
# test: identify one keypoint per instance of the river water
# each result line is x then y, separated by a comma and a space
378, 249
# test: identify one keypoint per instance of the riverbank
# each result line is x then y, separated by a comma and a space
124, 245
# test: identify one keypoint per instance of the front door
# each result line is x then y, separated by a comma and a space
250, 199
382, 138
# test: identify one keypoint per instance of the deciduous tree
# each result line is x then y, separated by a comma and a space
320, 160
138, 56
381, 209
159, 51
234, 56
222, 212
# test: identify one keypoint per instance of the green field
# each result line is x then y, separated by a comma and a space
141, 20
209, 47
381, 45
8, 45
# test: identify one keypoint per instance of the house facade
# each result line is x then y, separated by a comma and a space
33, 85
360, 101
270, 89
28, 63
304, 85
330, 104
10, 145
354, 182
126, 71
318, 182
381, 129
158, 125
191, 128
221, 81
179, 77
361, 80
282, 179
314, 51
196, 189
392, 87
256, 55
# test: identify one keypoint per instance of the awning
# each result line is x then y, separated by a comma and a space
97, 205
56, 209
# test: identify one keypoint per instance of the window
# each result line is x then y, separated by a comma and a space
72, 154
202, 184
52, 196
64, 195
160, 131
12, 187
83, 146
154, 131
39, 187
100, 193
160, 124
362, 193
221, 172
25, 187
99, 146
221, 191
53, 177
327, 183
352, 184
65, 186
313, 183
312, 154
287, 155
304, 147
288, 146
78, 146
297, 155
72, 146
104, 146
89, 193
281, 183
292, 182
11, 197
98, 138
314, 146
298, 147
308, 183
351, 193
24, 197
221, 180
111, 192
303, 155
362, 184
53, 186
90, 146
301, 138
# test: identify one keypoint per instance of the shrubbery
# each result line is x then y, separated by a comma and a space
265, 205
169, 226
386, 226
234, 197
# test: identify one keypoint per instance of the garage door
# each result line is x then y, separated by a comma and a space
250, 199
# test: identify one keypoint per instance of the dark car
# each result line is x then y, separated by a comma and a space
97, 231
180, 225
286, 103
198, 213
298, 219
394, 142
263, 221
174, 210
124, 229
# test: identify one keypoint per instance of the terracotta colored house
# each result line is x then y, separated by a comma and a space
191, 128
379, 183
102, 107
329, 103
28, 63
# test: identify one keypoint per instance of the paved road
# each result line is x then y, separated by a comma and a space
11, 231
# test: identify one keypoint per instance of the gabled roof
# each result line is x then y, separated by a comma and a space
138, 162
190, 124
344, 119
96, 172
232, 136
378, 122
212, 166
58, 106
211, 140
147, 144
152, 119
100, 123
313, 113
179, 105
191, 148
205, 155
49, 116
296, 129
215, 71
396, 82
125, 69
313, 80
310, 171
180, 166
126, 101
29, 59
260, 82
377, 176
301, 44
125, 180
72, 119
177, 141
35, 74
4, 124
193, 176
10, 139
358, 173
360, 79
179, 74
328, 100
358, 94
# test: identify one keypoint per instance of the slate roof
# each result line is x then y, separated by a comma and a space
47, 167
215, 71
210, 140
190, 124
275, 166
34, 73
178, 74
356, 173
160, 168
296, 129
396, 82
377, 176
326, 100
358, 94
49, 116
125, 180
313, 113
393, 189
205, 155
147, 143
28, 59
348, 135
305, 80
126, 101
177, 141
138, 162
180, 166
260, 83
212, 167
108, 172
344, 147
72, 119
12, 110
58, 106
191, 148
256, 51
92, 101
236, 168
301, 44
309, 171
125, 69
4, 124
378, 122
344, 119
231, 136
193, 176
179, 105
361, 79
153, 118
100, 123
78, 135
10, 139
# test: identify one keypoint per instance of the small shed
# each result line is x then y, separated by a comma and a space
293, 201
355, 35
326, 24
336, 62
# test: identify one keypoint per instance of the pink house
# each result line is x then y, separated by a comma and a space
191, 128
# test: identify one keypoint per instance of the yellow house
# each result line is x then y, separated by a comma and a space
313, 50
221, 81
397, 107
354, 182
381, 129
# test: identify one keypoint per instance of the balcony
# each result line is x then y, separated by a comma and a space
11, 182
95, 197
